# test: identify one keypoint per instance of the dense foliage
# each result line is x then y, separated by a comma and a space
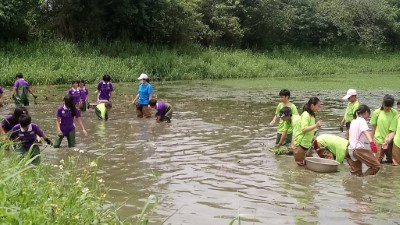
258, 24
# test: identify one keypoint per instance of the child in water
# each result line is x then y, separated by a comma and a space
66, 114
84, 95
104, 89
164, 110
11, 120
20, 91
102, 110
351, 108
75, 93
25, 133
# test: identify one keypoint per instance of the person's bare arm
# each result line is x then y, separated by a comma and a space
81, 125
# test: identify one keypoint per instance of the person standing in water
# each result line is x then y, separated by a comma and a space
84, 95
9, 121
394, 137
305, 130
75, 93
66, 114
283, 136
351, 108
381, 120
357, 154
20, 91
104, 89
142, 99
102, 110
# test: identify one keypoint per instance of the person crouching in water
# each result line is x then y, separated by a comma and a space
164, 110
102, 109
357, 154
330, 146
290, 123
25, 133
66, 114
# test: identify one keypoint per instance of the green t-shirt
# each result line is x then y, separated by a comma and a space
304, 138
395, 126
281, 125
335, 144
350, 110
293, 123
382, 120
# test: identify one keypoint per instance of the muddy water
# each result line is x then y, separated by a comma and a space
213, 162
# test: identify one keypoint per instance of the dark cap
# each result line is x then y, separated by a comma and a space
285, 111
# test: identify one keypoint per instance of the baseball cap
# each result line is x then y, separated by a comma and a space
143, 76
350, 93
285, 111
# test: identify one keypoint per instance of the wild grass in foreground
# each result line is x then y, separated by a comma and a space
52, 194
58, 62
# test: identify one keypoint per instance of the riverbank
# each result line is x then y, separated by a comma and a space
59, 62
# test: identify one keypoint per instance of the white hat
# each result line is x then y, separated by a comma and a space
350, 93
143, 76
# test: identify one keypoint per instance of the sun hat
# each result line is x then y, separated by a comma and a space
143, 76
285, 111
350, 93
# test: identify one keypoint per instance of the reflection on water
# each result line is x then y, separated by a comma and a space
213, 162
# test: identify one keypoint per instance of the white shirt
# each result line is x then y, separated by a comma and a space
356, 135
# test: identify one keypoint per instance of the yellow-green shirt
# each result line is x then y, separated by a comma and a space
382, 120
101, 111
293, 123
304, 138
335, 144
395, 126
350, 110
281, 125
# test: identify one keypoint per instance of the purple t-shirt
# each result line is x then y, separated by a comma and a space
26, 137
21, 83
161, 108
67, 120
76, 94
84, 93
1, 90
7, 124
105, 89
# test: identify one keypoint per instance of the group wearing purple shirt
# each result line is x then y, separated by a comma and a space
75, 93
20, 91
104, 88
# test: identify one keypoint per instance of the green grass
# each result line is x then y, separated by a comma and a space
60, 62
67, 193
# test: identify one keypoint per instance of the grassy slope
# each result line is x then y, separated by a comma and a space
60, 62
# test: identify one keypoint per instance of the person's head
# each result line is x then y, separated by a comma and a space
75, 84
363, 111
82, 83
19, 76
351, 95
106, 78
144, 78
108, 106
312, 106
69, 103
398, 106
153, 103
20, 110
24, 120
285, 113
284, 95
387, 103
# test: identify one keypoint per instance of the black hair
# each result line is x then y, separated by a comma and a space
307, 106
82, 81
398, 102
75, 82
362, 109
287, 111
19, 75
24, 120
106, 78
284, 92
17, 113
153, 102
69, 102
388, 101
108, 105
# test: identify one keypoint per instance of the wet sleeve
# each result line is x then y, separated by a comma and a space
374, 118
393, 124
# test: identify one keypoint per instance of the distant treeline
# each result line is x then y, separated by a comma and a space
255, 24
